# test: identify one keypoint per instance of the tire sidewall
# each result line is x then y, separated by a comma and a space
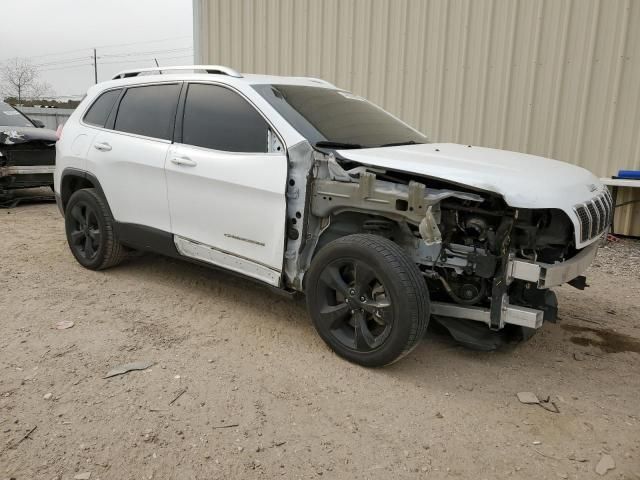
83, 196
395, 345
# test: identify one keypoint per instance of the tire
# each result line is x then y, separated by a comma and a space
90, 231
367, 299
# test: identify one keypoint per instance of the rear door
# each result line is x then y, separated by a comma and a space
129, 153
226, 188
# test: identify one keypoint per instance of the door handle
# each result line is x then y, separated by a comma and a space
184, 161
103, 147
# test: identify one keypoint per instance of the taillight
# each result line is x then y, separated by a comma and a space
59, 132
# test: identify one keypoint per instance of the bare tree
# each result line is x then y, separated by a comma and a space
40, 90
20, 79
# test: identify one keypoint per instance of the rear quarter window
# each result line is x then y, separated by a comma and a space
148, 110
99, 112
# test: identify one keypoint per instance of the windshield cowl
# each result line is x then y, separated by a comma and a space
336, 145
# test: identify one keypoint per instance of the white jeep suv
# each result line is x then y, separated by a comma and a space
309, 188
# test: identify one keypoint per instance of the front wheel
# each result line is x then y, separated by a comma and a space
367, 299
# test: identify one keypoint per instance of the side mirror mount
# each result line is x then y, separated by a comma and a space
273, 143
38, 123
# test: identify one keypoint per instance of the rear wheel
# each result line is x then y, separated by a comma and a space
367, 299
91, 231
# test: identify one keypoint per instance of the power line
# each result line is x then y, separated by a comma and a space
141, 43
65, 67
71, 61
150, 52
150, 59
57, 53
61, 62
116, 62
88, 49
120, 55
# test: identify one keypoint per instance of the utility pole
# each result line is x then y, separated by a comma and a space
95, 66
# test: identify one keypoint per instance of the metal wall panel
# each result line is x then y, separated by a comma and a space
558, 78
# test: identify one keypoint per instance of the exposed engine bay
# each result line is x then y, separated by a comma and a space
465, 241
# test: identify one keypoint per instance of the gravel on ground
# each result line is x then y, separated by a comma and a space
241, 386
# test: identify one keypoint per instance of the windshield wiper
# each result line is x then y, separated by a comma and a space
398, 144
328, 144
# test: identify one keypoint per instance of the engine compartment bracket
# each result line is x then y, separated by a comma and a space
368, 194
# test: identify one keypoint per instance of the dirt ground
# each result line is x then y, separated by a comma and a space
263, 397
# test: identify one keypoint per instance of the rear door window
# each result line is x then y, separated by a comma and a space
218, 118
148, 110
99, 112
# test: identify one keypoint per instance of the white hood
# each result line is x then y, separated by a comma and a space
524, 181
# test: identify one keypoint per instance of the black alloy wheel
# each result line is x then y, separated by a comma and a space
85, 237
355, 306
91, 231
367, 299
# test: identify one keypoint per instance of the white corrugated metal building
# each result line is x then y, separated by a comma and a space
557, 78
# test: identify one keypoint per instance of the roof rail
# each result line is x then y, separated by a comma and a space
213, 69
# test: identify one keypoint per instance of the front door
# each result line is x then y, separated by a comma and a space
226, 190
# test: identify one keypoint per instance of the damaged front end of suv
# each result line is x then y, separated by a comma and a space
489, 264
490, 231
27, 154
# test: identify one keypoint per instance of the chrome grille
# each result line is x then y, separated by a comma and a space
583, 216
594, 216
602, 212
593, 225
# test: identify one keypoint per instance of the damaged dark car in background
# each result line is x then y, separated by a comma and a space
27, 154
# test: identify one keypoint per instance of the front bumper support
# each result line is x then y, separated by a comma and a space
546, 275
511, 314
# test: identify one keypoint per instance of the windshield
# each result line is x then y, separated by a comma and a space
10, 117
328, 117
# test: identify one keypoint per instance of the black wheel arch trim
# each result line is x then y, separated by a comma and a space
72, 172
